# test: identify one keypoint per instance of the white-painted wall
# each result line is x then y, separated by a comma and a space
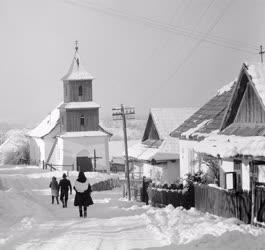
164, 173
71, 147
189, 161
37, 150
245, 175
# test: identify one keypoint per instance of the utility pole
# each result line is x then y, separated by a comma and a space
121, 113
261, 52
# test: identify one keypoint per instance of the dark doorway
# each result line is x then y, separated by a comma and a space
84, 164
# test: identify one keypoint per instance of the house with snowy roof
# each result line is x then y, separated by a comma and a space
157, 155
70, 136
230, 128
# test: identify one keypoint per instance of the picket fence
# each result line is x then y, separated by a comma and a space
229, 204
162, 197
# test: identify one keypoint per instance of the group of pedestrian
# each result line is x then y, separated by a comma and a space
82, 188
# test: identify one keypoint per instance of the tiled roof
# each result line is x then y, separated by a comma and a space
210, 115
77, 71
166, 119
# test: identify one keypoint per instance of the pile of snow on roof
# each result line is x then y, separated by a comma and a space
48, 124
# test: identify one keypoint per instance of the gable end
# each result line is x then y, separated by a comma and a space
150, 130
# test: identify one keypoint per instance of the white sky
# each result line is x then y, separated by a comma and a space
131, 47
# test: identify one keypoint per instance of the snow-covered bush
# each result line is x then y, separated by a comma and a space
15, 149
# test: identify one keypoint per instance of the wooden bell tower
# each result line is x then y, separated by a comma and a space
79, 112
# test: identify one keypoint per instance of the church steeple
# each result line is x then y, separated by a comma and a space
76, 70
79, 112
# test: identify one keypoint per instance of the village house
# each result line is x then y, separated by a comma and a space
231, 129
157, 155
70, 136
202, 123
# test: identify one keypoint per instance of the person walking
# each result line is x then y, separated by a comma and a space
145, 188
83, 194
64, 186
54, 189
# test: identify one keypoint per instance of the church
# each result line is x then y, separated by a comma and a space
70, 137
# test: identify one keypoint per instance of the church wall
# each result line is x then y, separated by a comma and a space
37, 150
72, 147
91, 122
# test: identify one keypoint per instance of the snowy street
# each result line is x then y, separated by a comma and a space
30, 221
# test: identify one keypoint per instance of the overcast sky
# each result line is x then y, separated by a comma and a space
146, 53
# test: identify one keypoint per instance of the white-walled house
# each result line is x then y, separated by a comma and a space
205, 121
238, 142
70, 136
157, 155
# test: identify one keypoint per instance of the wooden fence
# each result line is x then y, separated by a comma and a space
229, 204
161, 197
105, 185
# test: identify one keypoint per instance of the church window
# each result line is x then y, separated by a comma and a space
80, 91
82, 120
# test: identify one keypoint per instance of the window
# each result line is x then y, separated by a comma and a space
230, 180
80, 91
82, 120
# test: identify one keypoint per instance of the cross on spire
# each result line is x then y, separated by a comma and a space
76, 45
261, 52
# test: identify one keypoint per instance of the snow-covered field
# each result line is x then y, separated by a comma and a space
29, 221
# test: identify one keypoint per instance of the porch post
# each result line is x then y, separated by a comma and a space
253, 185
252, 201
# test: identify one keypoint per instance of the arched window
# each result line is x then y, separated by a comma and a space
82, 120
80, 91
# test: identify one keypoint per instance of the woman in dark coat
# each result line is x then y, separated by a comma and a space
83, 194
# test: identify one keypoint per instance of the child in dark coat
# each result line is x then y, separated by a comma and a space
83, 194
54, 189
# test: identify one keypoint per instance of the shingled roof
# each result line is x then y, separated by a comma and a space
208, 118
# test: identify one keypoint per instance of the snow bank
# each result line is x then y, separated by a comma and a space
179, 226
25, 177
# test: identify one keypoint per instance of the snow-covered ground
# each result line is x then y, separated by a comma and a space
29, 221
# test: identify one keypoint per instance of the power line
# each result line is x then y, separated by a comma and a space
216, 40
219, 18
